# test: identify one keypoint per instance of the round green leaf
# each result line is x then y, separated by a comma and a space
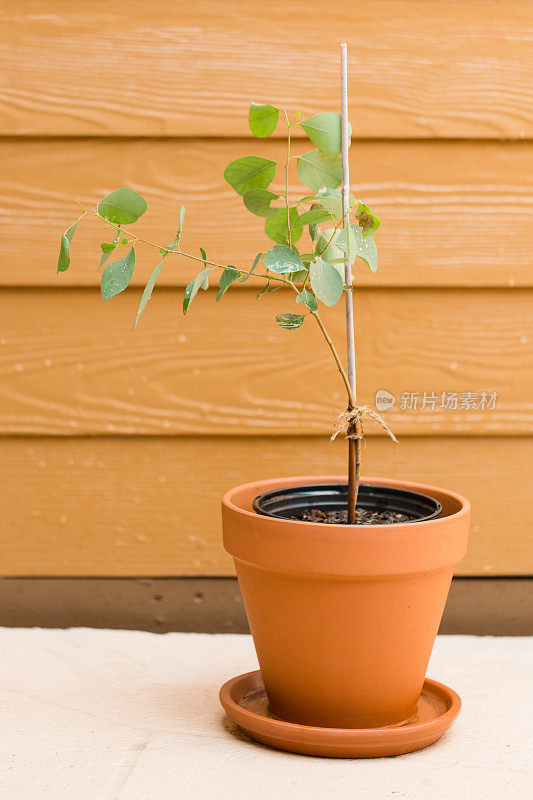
330, 200
290, 321
276, 226
282, 259
359, 245
250, 172
324, 130
368, 221
317, 170
258, 202
308, 299
329, 252
326, 282
263, 119
122, 207
315, 216
116, 277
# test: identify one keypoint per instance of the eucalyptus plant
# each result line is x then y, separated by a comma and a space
314, 272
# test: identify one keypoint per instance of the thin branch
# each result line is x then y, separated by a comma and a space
169, 251
341, 369
287, 178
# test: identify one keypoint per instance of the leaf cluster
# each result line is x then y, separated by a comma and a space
315, 272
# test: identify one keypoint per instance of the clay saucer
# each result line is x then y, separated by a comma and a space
245, 701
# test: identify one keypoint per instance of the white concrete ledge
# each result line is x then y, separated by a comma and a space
98, 714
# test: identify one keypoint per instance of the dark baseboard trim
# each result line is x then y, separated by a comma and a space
482, 606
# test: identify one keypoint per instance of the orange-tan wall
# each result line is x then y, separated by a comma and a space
116, 447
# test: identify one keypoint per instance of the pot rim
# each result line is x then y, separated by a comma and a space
298, 547
421, 488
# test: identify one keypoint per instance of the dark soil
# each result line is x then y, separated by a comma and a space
363, 516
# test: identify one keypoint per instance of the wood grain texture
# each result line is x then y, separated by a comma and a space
70, 365
418, 69
454, 213
151, 506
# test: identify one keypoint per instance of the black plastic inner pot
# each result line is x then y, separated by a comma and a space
291, 502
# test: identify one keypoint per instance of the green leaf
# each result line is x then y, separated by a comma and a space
116, 277
290, 321
180, 229
299, 277
308, 299
229, 275
368, 221
122, 207
258, 202
326, 282
315, 216
148, 289
324, 130
331, 252
205, 284
194, 286
314, 227
264, 290
263, 119
331, 200
251, 172
282, 259
63, 262
276, 226
347, 242
317, 170
257, 259
360, 245
107, 248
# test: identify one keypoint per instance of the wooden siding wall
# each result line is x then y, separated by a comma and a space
115, 447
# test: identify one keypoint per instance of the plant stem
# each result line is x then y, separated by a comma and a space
354, 444
287, 178
168, 251
344, 376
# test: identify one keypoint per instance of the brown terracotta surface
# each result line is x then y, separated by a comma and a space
245, 701
343, 617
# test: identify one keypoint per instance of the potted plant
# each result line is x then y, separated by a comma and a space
344, 581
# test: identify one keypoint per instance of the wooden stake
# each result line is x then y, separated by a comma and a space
354, 445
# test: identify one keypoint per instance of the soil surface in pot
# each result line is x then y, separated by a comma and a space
363, 516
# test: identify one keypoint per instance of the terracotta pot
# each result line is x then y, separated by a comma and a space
343, 617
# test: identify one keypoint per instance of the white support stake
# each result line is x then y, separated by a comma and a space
350, 326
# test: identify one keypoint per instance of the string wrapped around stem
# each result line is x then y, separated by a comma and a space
351, 421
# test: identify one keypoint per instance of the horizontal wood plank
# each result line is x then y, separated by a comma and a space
151, 506
475, 606
417, 69
69, 363
454, 213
